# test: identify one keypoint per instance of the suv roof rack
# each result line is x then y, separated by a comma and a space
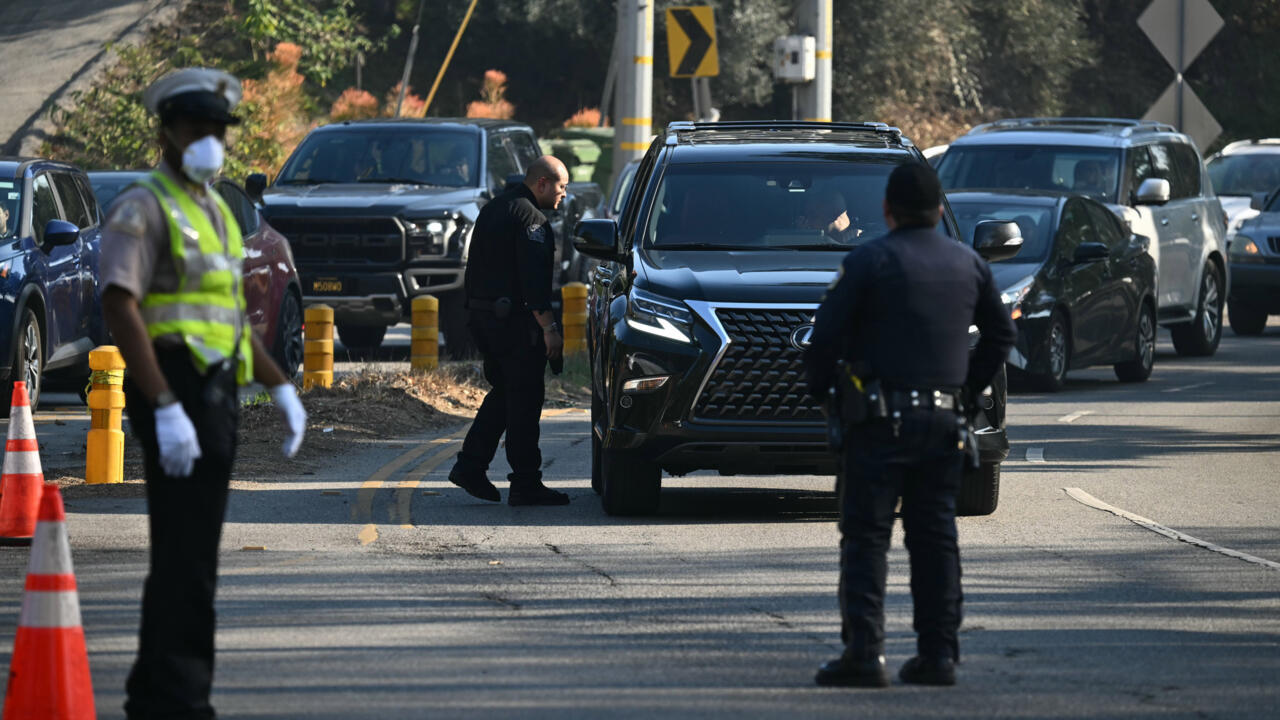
1127, 126
875, 127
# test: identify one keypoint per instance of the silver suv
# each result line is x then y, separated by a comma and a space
1149, 174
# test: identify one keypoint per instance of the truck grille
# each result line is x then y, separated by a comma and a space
760, 377
343, 241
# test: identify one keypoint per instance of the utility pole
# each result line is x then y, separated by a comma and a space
813, 99
408, 60
634, 98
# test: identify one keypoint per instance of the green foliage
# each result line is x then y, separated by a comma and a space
330, 34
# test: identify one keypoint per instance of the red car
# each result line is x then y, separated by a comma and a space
271, 281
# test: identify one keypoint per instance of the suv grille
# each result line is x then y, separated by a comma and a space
760, 378
363, 241
1274, 242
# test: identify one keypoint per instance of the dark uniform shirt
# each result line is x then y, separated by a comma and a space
903, 304
512, 252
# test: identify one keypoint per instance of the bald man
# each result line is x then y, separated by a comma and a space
508, 286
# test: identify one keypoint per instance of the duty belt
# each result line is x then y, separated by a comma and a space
921, 400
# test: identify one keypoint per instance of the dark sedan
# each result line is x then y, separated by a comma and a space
1081, 290
271, 283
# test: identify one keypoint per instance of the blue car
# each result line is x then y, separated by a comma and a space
50, 230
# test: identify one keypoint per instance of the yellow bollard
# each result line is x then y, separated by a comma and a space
104, 452
425, 352
317, 354
573, 316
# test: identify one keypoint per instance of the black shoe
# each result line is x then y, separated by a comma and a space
845, 672
475, 485
921, 670
536, 495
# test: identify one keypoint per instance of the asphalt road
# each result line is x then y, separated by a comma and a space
46, 45
366, 586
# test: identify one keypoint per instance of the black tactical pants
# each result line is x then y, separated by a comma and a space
515, 360
923, 466
173, 674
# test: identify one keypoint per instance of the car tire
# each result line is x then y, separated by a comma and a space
453, 323
28, 361
979, 491
1057, 349
1246, 319
288, 348
628, 484
1138, 369
361, 338
597, 409
1201, 336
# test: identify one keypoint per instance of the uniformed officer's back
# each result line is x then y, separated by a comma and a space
497, 267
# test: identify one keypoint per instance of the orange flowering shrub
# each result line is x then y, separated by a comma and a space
274, 112
414, 106
493, 104
586, 117
353, 104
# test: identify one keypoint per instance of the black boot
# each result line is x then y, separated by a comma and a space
849, 672
536, 495
476, 485
921, 670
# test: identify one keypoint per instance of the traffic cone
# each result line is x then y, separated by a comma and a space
22, 478
49, 671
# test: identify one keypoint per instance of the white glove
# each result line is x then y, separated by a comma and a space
295, 418
179, 446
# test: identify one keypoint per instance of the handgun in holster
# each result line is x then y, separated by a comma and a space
967, 439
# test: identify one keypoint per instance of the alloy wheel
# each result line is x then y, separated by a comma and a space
31, 359
1147, 339
1057, 351
291, 321
1211, 317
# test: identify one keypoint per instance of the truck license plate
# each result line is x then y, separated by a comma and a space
326, 285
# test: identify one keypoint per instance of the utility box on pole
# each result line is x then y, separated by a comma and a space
795, 58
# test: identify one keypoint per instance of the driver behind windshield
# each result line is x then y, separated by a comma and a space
826, 211
4, 220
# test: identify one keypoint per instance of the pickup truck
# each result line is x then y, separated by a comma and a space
381, 211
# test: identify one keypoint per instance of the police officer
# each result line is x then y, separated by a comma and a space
898, 316
508, 286
174, 302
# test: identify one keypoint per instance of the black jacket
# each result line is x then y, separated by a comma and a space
902, 306
512, 252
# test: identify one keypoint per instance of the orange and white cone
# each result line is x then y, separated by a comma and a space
49, 672
23, 478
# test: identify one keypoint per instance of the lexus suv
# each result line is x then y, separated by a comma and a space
702, 306
1147, 173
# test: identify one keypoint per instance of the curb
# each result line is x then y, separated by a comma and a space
37, 128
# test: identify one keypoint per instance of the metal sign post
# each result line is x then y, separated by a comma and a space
1180, 30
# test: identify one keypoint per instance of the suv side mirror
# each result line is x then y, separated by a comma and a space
254, 185
997, 240
1091, 252
1258, 200
1153, 191
598, 238
60, 232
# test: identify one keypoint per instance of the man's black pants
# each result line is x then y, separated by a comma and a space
173, 674
923, 466
515, 360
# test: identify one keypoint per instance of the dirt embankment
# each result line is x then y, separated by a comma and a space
362, 407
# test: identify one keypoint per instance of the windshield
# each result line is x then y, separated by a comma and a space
1035, 222
420, 155
1245, 174
10, 206
107, 189
770, 205
1087, 171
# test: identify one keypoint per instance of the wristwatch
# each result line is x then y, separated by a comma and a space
553, 327
164, 399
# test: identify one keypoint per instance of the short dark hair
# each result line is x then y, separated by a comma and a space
913, 194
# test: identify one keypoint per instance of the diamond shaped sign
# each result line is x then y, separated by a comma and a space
1196, 120
1200, 22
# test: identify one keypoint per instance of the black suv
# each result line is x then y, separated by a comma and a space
704, 301
380, 211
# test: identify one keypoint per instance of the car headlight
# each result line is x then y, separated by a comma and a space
429, 236
1015, 294
659, 316
1244, 249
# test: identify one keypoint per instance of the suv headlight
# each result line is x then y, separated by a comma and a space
659, 316
429, 236
1244, 249
1013, 297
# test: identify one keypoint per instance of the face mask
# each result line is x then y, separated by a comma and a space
202, 159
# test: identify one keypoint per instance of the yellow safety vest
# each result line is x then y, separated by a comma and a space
208, 310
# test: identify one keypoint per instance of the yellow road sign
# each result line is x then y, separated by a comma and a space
691, 42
